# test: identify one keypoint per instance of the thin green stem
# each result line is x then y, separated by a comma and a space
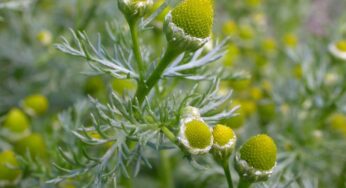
169, 134
227, 174
243, 183
165, 170
175, 141
155, 76
136, 49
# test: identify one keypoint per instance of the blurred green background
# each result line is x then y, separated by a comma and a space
289, 56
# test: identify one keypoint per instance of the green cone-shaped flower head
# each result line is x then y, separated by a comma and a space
195, 17
34, 144
198, 134
195, 135
260, 152
16, 125
16, 121
35, 104
189, 25
256, 158
223, 135
9, 172
337, 123
124, 86
224, 142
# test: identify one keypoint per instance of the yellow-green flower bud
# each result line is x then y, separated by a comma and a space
337, 123
195, 135
338, 49
16, 121
35, 104
223, 136
195, 17
290, 40
240, 84
124, 85
224, 142
134, 9
189, 25
246, 32
95, 87
297, 71
34, 144
232, 55
17, 124
247, 106
269, 45
44, 37
230, 28
9, 172
256, 158
256, 93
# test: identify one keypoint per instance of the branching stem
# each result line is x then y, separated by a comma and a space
144, 89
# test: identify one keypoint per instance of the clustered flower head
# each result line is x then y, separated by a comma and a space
35, 104
198, 134
224, 142
254, 161
16, 123
44, 37
189, 25
256, 158
337, 123
195, 135
33, 144
290, 40
198, 138
195, 17
223, 136
9, 169
134, 9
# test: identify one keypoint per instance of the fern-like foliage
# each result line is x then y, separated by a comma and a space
125, 130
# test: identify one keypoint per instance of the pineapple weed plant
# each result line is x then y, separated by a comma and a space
165, 111
133, 123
